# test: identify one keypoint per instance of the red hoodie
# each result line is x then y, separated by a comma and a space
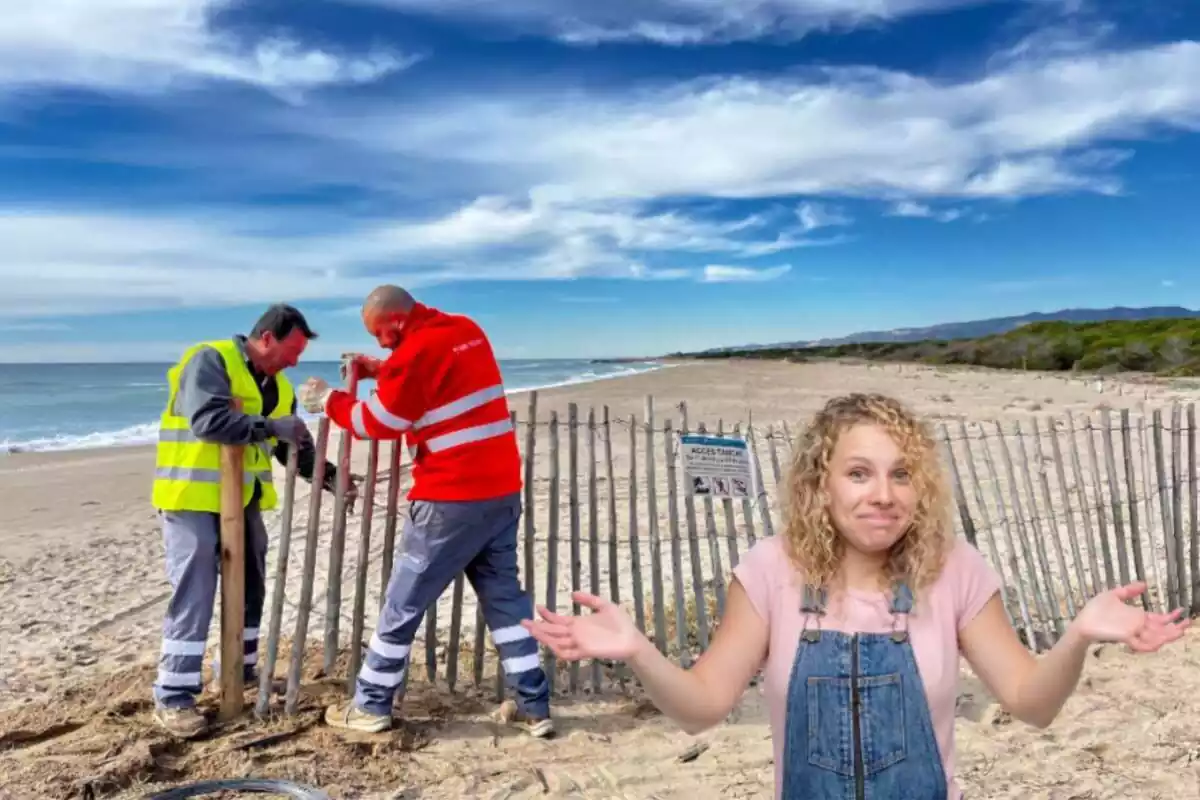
442, 389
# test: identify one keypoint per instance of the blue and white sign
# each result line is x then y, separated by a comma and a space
717, 466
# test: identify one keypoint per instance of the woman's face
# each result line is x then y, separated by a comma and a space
871, 496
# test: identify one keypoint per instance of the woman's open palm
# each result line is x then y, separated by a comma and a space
1108, 617
606, 633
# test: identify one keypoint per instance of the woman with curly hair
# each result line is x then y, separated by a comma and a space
857, 615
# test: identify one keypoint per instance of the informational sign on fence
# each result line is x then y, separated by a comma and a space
717, 466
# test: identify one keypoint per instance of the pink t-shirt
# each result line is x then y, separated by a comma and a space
966, 584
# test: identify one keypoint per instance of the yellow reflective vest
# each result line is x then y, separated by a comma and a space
187, 475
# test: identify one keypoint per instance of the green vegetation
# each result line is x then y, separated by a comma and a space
1168, 347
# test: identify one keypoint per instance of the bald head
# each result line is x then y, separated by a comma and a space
388, 300
385, 312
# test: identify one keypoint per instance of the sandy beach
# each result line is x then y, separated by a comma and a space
82, 585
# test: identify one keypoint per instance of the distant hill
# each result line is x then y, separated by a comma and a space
982, 327
1168, 346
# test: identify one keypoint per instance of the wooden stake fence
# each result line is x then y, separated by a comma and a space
1062, 508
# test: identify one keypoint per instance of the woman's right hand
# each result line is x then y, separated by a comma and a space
606, 633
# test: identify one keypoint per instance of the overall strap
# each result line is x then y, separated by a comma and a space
902, 606
812, 605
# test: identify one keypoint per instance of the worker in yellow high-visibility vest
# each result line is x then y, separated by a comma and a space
199, 417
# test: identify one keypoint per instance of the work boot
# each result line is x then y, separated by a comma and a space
349, 717
185, 723
537, 727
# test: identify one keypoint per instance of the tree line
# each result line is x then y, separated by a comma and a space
1167, 347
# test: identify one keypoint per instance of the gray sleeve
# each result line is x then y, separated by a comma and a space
205, 398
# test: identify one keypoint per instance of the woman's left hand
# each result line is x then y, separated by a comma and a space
1108, 617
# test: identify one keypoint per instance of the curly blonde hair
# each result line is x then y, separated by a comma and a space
814, 545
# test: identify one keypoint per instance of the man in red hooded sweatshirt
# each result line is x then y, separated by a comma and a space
441, 388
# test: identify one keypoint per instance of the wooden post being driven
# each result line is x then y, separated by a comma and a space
233, 582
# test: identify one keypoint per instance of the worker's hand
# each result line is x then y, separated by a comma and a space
312, 395
289, 429
366, 366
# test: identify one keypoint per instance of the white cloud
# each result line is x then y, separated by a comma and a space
57, 263
675, 22
148, 45
814, 216
1031, 128
719, 273
908, 208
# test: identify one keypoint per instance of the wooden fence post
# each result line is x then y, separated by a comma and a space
233, 581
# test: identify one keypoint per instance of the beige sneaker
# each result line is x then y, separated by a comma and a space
537, 727
182, 722
350, 718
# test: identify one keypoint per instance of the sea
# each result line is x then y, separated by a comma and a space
47, 407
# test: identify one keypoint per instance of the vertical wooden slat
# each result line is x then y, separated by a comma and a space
1135, 543
656, 571
1192, 488
1148, 503
1019, 577
364, 561
1035, 537
1110, 578
552, 547
455, 643
685, 656
747, 508
1114, 495
431, 642
1041, 597
337, 541
730, 516
689, 507
1164, 501
300, 636
989, 532
960, 498
775, 471
389, 525
573, 510
477, 650
614, 569
764, 508
1084, 508
529, 522
593, 529
267, 674
1181, 579
1061, 475
714, 548
635, 551
1052, 518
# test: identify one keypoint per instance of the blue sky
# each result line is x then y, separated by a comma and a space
588, 179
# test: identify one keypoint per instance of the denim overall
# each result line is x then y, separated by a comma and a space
858, 724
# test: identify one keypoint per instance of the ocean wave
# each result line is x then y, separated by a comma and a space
147, 433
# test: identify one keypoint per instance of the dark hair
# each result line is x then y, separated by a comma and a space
280, 320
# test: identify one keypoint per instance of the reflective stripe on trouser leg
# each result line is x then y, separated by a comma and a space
190, 539
495, 577
436, 547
